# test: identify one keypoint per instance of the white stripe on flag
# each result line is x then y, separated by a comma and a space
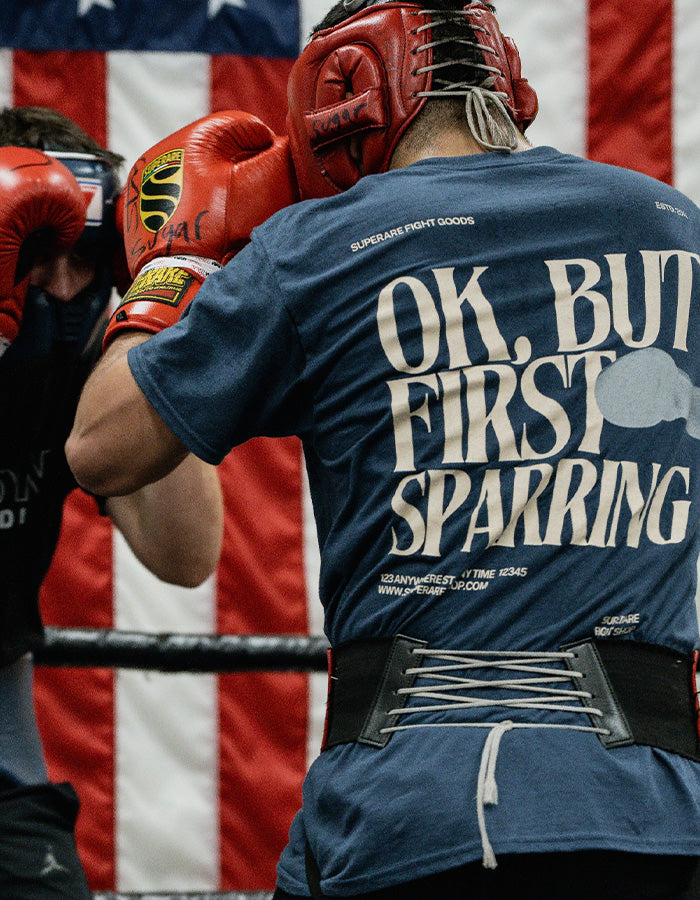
166, 767
552, 40
686, 77
166, 743
5, 77
150, 95
318, 681
686, 121
310, 13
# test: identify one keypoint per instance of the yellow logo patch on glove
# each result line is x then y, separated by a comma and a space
161, 189
163, 285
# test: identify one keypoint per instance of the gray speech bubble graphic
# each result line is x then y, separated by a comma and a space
646, 387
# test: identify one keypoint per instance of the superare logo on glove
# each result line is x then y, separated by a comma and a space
161, 188
164, 285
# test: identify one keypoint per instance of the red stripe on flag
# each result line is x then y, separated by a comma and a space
631, 85
253, 84
75, 707
71, 82
263, 717
262, 589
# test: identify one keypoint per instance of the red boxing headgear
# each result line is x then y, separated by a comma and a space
370, 76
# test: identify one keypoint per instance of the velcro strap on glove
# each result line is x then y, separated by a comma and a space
159, 294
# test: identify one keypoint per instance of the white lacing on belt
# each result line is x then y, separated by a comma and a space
538, 690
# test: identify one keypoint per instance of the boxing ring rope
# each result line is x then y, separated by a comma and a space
250, 895
95, 648
199, 653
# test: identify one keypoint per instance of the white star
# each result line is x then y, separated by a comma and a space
84, 6
215, 6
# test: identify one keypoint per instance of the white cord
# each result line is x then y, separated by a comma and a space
451, 691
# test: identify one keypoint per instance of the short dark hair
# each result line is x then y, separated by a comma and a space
44, 128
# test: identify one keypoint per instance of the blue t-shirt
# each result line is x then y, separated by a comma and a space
490, 362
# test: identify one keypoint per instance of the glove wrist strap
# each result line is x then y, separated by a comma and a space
160, 293
200, 266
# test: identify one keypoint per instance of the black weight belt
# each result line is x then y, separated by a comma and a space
645, 692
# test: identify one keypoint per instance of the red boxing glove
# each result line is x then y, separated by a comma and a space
42, 209
191, 202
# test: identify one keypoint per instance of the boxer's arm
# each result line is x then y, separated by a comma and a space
175, 526
235, 173
119, 443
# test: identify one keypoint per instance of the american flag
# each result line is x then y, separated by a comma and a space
189, 782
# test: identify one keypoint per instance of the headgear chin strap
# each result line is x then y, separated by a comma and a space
370, 75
